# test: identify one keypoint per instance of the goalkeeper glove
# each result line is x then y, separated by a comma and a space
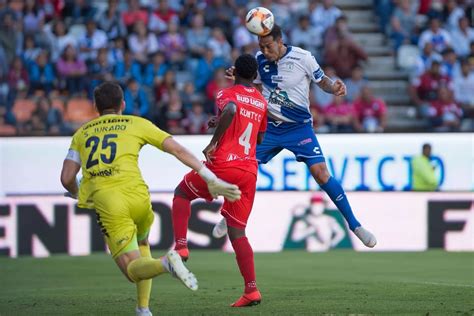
218, 187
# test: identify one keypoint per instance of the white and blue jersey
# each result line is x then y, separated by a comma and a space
286, 84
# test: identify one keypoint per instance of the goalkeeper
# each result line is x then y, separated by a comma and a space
106, 149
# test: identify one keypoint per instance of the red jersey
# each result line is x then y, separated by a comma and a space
237, 146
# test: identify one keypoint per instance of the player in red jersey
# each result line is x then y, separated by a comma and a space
241, 125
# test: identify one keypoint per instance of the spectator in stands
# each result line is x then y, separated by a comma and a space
355, 83
189, 10
427, 56
142, 43
10, 37
403, 25
189, 95
341, 51
325, 14
116, 51
71, 71
384, 9
155, 70
33, 17
7, 122
134, 14
196, 119
165, 87
371, 112
219, 14
91, 42
173, 45
452, 13
450, 65
197, 36
445, 113
464, 94
45, 120
136, 101
340, 116
424, 89
59, 39
462, 37
172, 115
127, 69
78, 11
424, 176
41, 74
162, 17
439, 37
30, 50
219, 44
307, 36
205, 69
218, 83
99, 71
18, 81
110, 21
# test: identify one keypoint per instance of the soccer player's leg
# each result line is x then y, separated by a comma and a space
191, 187
236, 215
269, 148
304, 144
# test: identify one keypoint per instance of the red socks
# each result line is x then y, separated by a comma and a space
244, 256
181, 211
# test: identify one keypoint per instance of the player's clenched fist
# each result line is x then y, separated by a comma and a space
229, 73
339, 88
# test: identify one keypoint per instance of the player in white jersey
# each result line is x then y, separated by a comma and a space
285, 74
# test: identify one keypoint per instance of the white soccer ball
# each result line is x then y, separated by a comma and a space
259, 21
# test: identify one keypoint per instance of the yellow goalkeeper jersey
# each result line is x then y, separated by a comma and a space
107, 149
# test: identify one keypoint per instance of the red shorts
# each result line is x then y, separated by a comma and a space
236, 213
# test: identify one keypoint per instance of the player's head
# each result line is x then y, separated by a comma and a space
245, 68
109, 96
271, 45
426, 150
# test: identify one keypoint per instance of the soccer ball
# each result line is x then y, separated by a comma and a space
259, 21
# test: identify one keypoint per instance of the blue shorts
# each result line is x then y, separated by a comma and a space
299, 138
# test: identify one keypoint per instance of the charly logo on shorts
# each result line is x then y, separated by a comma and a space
122, 240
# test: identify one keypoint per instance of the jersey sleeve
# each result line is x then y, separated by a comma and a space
73, 152
313, 70
151, 134
223, 97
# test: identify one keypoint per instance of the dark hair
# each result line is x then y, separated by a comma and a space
426, 146
246, 66
108, 95
275, 33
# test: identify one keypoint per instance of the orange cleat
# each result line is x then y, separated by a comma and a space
249, 299
183, 253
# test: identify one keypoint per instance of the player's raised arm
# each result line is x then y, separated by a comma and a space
336, 87
216, 186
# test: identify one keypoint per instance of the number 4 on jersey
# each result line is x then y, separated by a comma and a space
244, 139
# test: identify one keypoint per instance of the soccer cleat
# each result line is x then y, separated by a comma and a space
365, 236
143, 311
183, 253
177, 268
220, 229
249, 299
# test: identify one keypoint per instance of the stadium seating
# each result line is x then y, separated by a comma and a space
79, 111
23, 109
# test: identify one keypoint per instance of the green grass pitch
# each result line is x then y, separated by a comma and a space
291, 282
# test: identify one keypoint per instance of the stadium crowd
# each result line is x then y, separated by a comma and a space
438, 36
170, 57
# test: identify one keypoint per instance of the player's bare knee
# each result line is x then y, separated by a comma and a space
320, 173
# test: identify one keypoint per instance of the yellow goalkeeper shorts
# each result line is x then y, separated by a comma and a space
124, 215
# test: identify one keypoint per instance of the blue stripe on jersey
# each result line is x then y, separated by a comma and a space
267, 69
298, 114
